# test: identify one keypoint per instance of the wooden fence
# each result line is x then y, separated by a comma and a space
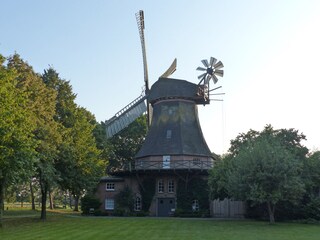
227, 208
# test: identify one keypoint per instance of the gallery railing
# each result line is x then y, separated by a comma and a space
143, 165
176, 164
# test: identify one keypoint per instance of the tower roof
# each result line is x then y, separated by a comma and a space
175, 130
169, 88
175, 127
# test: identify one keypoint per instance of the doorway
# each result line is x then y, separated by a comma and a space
166, 206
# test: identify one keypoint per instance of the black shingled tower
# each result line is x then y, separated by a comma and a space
175, 130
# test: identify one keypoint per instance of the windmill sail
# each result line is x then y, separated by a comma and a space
126, 116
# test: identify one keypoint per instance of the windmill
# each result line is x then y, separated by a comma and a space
174, 148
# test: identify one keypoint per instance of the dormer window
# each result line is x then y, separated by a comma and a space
169, 134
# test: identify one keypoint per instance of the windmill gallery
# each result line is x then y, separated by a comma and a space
170, 170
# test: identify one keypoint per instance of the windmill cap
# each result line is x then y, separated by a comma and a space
169, 88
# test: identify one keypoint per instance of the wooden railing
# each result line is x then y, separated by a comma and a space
176, 164
145, 165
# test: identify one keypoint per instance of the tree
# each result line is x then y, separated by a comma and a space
266, 172
90, 201
218, 178
65, 102
290, 138
84, 167
125, 201
41, 104
241, 141
311, 174
78, 162
310, 205
262, 167
190, 190
123, 147
99, 132
16, 133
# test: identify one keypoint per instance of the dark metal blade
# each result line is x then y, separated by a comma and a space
201, 69
202, 75
219, 73
215, 79
205, 62
218, 65
212, 61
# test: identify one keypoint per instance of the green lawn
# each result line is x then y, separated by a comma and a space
60, 226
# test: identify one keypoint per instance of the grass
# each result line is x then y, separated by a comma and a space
65, 226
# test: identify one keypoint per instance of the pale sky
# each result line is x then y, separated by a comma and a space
270, 50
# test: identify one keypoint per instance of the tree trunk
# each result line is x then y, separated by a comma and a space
70, 201
2, 187
33, 206
44, 190
76, 203
51, 200
271, 209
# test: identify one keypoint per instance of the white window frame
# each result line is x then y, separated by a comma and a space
110, 187
171, 186
160, 186
166, 161
137, 204
195, 205
109, 204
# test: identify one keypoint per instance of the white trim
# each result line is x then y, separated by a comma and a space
160, 185
171, 187
110, 187
109, 204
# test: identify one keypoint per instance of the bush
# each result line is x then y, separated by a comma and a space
88, 202
147, 191
141, 214
190, 214
312, 209
195, 189
124, 201
256, 211
119, 212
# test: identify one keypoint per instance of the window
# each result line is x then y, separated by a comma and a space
166, 162
195, 205
109, 204
171, 186
169, 134
137, 203
110, 186
160, 186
